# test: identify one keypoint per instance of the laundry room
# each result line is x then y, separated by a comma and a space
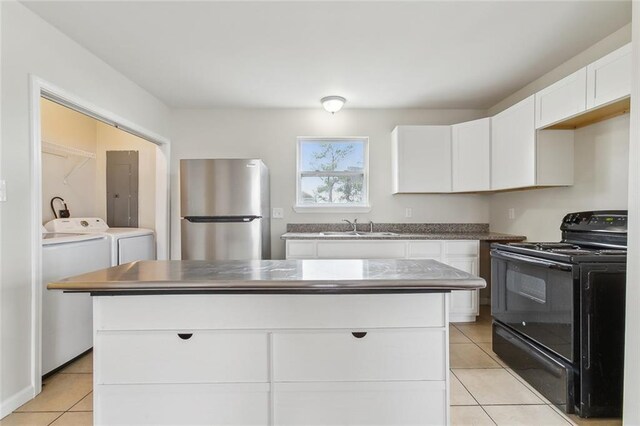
99, 204
83, 159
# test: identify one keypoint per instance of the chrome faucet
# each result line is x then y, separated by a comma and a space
371, 226
353, 224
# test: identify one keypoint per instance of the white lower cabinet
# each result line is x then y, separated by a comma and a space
461, 254
368, 403
297, 370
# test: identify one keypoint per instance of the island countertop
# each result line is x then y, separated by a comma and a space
273, 276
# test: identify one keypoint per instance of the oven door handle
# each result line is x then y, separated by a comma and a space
532, 261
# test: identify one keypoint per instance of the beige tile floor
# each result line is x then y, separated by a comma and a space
483, 391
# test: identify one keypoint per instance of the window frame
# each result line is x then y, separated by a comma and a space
363, 207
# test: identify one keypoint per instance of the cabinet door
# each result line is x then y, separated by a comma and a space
513, 147
562, 99
609, 78
463, 303
471, 155
301, 249
421, 158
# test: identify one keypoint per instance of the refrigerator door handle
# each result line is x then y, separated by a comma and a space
221, 219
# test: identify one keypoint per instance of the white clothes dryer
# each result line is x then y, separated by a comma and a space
127, 244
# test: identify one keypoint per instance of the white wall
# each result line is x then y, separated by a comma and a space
109, 138
63, 126
30, 46
271, 135
600, 182
631, 413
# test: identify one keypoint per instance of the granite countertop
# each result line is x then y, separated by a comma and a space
484, 236
273, 276
398, 231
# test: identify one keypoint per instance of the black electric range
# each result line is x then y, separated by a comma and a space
558, 310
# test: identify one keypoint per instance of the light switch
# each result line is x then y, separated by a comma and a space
3, 190
278, 213
408, 212
511, 213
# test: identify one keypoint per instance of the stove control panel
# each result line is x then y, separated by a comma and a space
607, 221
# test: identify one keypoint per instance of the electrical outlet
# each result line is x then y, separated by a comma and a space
408, 212
511, 213
3, 190
278, 213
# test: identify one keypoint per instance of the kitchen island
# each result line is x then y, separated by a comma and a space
326, 342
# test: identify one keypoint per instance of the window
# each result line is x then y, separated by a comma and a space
332, 173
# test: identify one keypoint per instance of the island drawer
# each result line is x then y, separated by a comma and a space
269, 312
201, 404
181, 357
381, 403
359, 355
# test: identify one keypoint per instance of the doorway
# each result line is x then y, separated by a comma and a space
82, 167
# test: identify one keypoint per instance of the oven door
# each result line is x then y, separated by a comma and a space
536, 297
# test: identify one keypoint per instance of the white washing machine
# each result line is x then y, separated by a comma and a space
67, 318
127, 244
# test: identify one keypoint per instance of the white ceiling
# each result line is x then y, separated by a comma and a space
376, 54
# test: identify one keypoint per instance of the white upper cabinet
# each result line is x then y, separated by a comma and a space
471, 155
513, 146
523, 157
609, 78
562, 99
421, 159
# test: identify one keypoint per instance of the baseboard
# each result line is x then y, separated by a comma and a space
16, 400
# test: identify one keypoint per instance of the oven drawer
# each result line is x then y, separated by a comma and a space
548, 374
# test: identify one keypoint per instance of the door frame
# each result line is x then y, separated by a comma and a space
41, 88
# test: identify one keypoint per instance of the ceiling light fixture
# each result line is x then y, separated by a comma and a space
333, 104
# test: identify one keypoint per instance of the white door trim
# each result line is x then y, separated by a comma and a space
39, 88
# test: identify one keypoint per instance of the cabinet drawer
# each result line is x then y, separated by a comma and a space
169, 357
462, 247
220, 312
301, 249
241, 404
361, 249
352, 355
425, 250
396, 403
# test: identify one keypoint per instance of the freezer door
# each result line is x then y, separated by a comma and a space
222, 239
225, 187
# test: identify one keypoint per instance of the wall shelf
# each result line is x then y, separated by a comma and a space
66, 152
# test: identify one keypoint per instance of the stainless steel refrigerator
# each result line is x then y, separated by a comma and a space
224, 205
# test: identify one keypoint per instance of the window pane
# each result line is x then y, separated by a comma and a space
332, 189
335, 155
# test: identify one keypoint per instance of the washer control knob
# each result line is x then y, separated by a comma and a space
84, 223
